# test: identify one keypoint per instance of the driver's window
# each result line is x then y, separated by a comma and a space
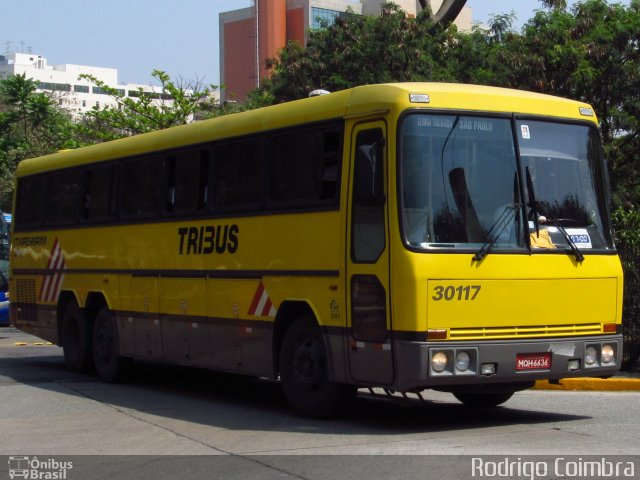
367, 237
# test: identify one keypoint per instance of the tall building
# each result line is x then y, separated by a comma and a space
62, 81
251, 35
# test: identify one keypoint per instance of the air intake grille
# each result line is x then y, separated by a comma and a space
474, 333
25, 300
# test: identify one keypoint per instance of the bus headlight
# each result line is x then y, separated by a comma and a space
607, 354
590, 356
462, 361
439, 362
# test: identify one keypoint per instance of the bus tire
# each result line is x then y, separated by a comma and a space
483, 400
304, 372
110, 366
76, 339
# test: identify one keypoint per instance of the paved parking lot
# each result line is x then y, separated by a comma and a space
170, 411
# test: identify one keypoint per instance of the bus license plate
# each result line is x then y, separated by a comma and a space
533, 361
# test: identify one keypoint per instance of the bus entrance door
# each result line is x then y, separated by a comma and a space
369, 320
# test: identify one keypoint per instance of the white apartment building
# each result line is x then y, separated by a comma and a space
62, 81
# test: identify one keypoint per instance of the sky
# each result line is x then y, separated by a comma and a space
138, 36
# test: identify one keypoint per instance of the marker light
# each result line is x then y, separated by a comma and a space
439, 361
590, 356
607, 353
436, 334
318, 92
419, 98
462, 361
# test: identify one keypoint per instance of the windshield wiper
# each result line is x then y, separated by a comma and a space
499, 226
557, 223
538, 219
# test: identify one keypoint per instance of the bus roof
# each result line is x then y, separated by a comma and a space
358, 101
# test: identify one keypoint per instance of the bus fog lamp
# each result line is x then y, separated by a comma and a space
439, 362
608, 353
462, 361
590, 356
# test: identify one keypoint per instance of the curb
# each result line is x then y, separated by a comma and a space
596, 384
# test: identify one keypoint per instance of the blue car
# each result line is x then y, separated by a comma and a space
4, 271
7, 219
4, 308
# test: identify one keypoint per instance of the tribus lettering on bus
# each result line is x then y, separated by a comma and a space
205, 240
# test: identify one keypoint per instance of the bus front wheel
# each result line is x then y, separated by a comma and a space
76, 338
483, 400
109, 364
304, 374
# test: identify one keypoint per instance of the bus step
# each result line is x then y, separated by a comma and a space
407, 398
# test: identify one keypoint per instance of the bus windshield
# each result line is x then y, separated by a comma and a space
461, 186
565, 170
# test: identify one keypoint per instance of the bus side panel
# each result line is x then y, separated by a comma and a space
147, 333
183, 322
237, 342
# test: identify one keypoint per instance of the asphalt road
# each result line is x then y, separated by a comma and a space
164, 412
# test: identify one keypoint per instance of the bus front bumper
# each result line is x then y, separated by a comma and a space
452, 365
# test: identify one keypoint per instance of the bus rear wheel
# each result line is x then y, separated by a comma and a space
304, 374
483, 400
76, 339
109, 364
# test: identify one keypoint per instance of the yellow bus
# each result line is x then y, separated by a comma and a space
405, 236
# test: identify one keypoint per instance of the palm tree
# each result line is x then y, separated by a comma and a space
555, 4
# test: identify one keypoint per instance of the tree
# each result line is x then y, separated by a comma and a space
358, 50
501, 24
557, 4
590, 54
143, 111
627, 221
31, 125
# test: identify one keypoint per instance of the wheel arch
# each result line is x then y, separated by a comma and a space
288, 312
66, 297
92, 304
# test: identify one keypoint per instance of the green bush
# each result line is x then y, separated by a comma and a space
627, 233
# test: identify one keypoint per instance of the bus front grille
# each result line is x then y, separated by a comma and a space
473, 333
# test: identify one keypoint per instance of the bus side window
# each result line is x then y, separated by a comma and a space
66, 193
187, 181
304, 167
237, 175
30, 202
140, 186
100, 201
